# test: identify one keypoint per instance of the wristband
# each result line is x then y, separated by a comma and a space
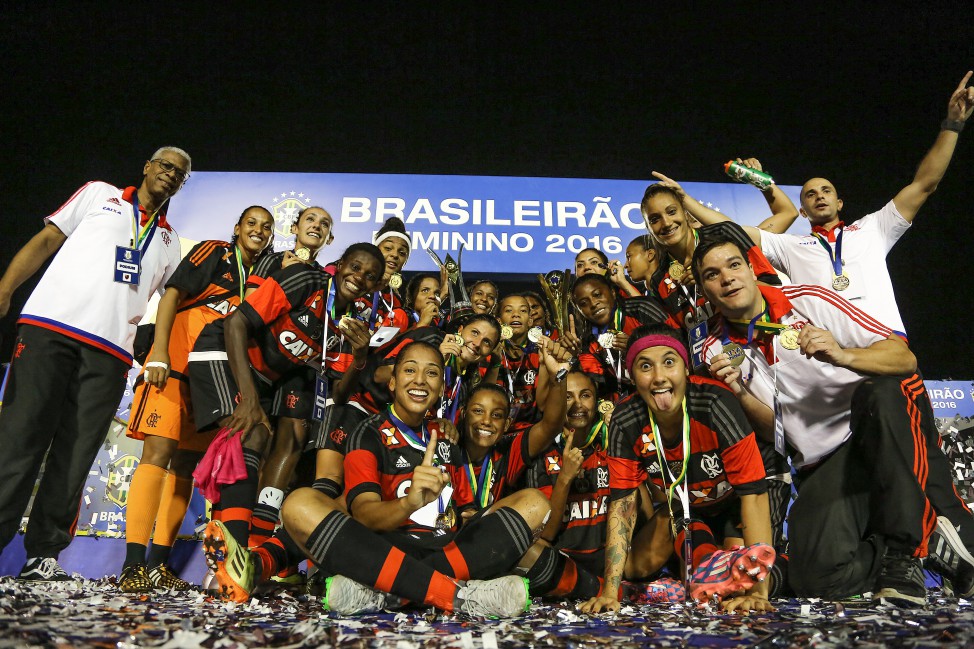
954, 125
156, 364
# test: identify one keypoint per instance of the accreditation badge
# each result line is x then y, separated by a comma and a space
128, 265
698, 334
321, 398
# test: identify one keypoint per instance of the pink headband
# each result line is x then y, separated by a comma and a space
657, 340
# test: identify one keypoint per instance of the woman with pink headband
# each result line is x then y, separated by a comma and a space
688, 440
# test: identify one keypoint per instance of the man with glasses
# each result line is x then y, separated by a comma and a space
111, 249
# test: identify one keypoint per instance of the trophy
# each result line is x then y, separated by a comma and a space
460, 304
557, 288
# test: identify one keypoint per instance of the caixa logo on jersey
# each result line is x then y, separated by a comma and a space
285, 209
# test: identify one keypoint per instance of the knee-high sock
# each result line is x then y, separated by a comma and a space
172, 510
344, 546
237, 499
278, 553
487, 548
145, 493
557, 575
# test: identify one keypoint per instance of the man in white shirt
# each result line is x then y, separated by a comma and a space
846, 395
112, 249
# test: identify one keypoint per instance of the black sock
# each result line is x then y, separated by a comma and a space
158, 555
237, 500
557, 575
134, 553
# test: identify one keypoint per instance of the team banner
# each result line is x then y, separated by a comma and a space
505, 224
953, 407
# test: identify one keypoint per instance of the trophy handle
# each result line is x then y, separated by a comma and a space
436, 258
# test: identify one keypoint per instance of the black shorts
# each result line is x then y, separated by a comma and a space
294, 394
214, 391
339, 421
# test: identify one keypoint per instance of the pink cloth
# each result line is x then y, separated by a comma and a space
222, 464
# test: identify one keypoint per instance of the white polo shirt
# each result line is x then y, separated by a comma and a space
815, 397
865, 245
78, 296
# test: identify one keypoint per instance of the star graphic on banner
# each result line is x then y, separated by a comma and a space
709, 204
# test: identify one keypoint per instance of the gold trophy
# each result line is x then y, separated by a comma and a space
557, 286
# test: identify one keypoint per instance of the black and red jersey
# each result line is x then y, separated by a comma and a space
267, 266
507, 461
681, 301
380, 459
519, 376
724, 457
607, 367
583, 531
287, 316
387, 308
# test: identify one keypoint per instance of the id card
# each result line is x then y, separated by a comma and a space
698, 334
321, 398
779, 428
128, 265
382, 336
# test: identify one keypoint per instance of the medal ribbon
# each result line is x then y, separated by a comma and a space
599, 430
141, 238
761, 322
480, 486
241, 276
450, 411
834, 256
661, 456
418, 442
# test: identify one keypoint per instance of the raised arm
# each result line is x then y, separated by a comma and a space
27, 261
933, 166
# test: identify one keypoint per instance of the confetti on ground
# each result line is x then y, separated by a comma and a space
93, 613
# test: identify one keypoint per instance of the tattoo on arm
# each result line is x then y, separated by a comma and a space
622, 520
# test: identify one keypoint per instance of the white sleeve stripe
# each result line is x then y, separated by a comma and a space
857, 315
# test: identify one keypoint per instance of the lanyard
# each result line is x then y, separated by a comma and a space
449, 410
615, 364
141, 238
241, 276
675, 482
835, 256
481, 486
599, 431
418, 442
330, 315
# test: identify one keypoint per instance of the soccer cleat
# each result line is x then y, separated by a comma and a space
162, 577
43, 569
348, 597
238, 574
663, 591
731, 572
289, 576
215, 540
901, 581
502, 597
135, 579
949, 557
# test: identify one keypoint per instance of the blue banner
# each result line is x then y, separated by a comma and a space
505, 224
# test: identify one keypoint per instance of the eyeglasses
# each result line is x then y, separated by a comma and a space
168, 167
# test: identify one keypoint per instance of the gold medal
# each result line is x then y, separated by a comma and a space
506, 332
735, 354
606, 339
840, 282
789, 338
459, 339
677, 271
534, 334
343, 323
395, 281
606, 408
446, 520
302, 253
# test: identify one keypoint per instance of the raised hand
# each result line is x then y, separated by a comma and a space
961, 103
571, 460
428, 480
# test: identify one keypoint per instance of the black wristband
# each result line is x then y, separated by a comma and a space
954, 125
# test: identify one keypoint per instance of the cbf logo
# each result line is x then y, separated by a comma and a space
120, 479
285, 209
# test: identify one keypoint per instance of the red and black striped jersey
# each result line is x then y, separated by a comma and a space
680, 301
520, 378
380, 460
286, 316
724, 457
583, 530
388, 310
267, 266
374, 396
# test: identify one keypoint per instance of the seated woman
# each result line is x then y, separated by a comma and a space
687, 438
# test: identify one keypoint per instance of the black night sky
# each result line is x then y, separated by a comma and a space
853, 92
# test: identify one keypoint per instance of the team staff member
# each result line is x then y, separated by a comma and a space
687, 438
74, 345
860, 443
208, 284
